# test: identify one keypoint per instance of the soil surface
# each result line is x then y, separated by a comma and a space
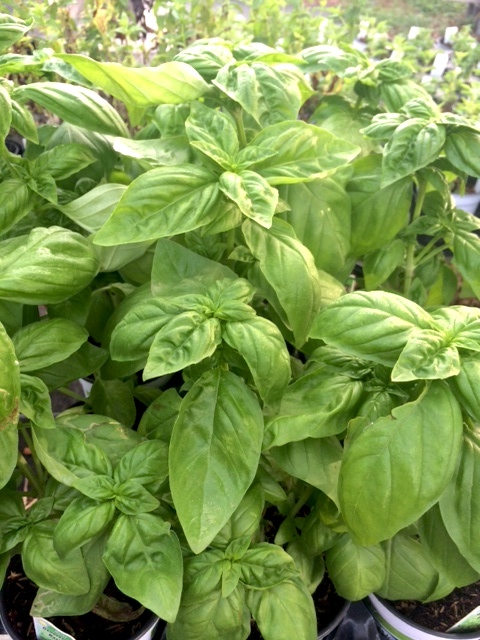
442, 614
19, 592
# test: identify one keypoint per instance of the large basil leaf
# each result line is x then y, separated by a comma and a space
214, 453
285, 611
467, 387
145, 560
378, 212
316, 405
302, 151
153, 152
266, 565
43, 565
43, 343
427, 355
461, 149
321, 218
398, 467
262, 346
290, 269
77, 105
162, 202
45, 267
9, 407
171, 82
356, 571
12, 29
92, 210
466, 249
371, 325
460, 503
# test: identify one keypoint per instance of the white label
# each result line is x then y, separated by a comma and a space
471, 622
45, 630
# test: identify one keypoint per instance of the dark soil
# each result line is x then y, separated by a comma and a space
442, 614
327, 606
19, 592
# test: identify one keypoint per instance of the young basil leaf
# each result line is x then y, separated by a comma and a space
355, 571
373, 325
252, 194
414, 144
132, 498
460, 324
145, 560
16, 200
427, 355
212, 127
207, 480
98, 487
147, 462
9, 407
77, 105
43, 343
186, 339
399, 466
290, 269
83, 520
245, 519
266, 565
460, 503
47, 569
35, 402
316, 405
45, 267
410, 573
262, 345
284, 611
162, 202
302, 150
170, 82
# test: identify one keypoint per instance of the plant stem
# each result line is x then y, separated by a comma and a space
410, 259
429, 256
22, 464
71, 394
29, 442
304, 496
238, 114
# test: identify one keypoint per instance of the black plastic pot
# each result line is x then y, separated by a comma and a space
394, 626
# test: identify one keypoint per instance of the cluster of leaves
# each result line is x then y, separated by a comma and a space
197, 271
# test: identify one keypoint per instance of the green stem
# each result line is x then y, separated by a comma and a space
304, 496
29, 442
238, 114
410, 259
429, 256
22, 465
71, 394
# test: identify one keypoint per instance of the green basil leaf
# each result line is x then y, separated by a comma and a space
171, 82
460, 502
43, 343
381, 263
427, 355
379, 212
285, 611
355, 571
145, 463
252, 194
371, 325
77, 105
410, 572
245, 519
442, 551
398, 467
316, 405
80, 365
5, 112
113, 398
313, 460
467, 387
98, 487
262, 345
186, 339
64, 160
301, 152
212, 127
145, 560
23, 121
207, 481
15, 202
266, 565
466, 250
414, 144
207, 56
47, 569
290, 269
82, 520
9, 406
461, 149
12, 29
35, 402
132, 498
158, 420
45, 267
162, 202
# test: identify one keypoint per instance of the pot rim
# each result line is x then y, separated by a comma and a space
386, 612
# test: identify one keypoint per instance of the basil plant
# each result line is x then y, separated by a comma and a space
187, 245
